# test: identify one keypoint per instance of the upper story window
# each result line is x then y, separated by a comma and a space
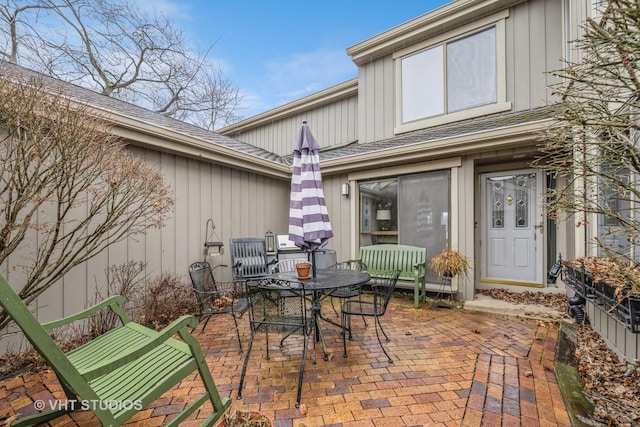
450, 77
460, 76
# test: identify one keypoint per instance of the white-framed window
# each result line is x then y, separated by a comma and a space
458, 76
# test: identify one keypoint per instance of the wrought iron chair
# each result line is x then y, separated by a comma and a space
286, 265
215, 297
249, 257
375, 305
348, 291
271, 312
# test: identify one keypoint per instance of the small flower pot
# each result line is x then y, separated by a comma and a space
303, 269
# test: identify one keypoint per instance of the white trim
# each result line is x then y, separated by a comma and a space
458, 33
449, 163
451, 15
308, 103
452, 117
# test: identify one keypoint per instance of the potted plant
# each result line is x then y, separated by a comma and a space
449, 263
238, 418
303, 269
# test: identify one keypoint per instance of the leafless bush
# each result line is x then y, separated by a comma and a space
123, 279
166, 299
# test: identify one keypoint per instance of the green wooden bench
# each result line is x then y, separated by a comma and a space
410, 260
120, 372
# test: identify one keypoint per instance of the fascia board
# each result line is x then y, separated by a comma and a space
202, 150
311, 102
511, 136
440, 20
136, 132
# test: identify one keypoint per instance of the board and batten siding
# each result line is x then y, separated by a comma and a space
241, 204
334, 124
338, 207
533, 38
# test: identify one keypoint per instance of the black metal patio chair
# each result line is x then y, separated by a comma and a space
286, 265
216, 297
347, 292
371, 305
272, 313
249, 257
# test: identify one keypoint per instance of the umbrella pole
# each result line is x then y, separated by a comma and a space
313, 263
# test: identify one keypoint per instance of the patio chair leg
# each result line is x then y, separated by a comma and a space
383, 332
377, 323
235, 320
244, 366
364, 319
301, 374
333, 306
267, 341
205, 323
344, 333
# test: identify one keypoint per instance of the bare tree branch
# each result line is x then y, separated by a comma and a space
593, 146
67, 183
114, 47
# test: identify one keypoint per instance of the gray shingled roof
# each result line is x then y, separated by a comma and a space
471, 126
110, 104
465, 127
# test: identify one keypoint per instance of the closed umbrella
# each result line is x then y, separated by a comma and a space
309, 226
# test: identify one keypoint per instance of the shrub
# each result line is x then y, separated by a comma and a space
164, 300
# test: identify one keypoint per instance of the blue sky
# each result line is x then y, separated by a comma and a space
277, 51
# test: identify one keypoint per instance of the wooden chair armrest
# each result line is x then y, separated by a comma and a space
158, 338
114, 302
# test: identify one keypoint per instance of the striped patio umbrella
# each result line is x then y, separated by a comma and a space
309, 226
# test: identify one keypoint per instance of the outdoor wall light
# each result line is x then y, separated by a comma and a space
344, 189
212, 244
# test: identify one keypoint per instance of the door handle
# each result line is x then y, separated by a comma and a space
540, 226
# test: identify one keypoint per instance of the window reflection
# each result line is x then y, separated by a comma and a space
410, 210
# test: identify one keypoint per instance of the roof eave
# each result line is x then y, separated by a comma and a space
143, 134
330, 95
442, 19
482, 141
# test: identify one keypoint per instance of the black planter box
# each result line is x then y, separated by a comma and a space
579, 280
625, 310
629, 313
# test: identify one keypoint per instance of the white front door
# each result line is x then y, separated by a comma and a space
512, 237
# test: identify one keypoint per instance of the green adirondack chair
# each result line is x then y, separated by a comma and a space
121, 371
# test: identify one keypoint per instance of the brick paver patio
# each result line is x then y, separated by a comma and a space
451, 367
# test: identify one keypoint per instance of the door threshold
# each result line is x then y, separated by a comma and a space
512, 282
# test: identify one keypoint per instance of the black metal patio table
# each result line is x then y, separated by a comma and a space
326, 281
